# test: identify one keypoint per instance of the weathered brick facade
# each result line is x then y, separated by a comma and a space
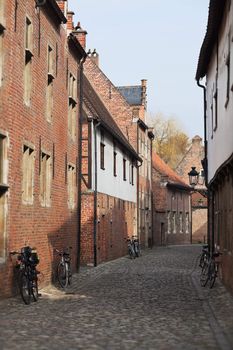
193, 158
171, 205
32, 218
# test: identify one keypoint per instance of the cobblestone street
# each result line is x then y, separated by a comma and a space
153, 302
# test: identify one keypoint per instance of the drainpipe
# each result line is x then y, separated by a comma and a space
95, 196
205, 166
80, 121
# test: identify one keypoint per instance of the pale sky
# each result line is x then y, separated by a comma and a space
157, 40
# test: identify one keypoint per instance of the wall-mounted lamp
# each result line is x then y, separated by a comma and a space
196, 178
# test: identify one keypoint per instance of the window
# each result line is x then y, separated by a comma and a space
1, 57
215, 104
181, 222
45, 179
187, 223
49, 87
114, 163
2, 12
228, 60
3, 160
212, 119
28, 175
102, 146
72, 106
71, 186
28, 62
132, 174
124, 169
174, 222
169, 222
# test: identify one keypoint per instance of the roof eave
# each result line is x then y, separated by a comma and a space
216, 11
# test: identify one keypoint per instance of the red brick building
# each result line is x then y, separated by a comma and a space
171, 205
127, 105
39, 104
109, 186
136, 98
193, 158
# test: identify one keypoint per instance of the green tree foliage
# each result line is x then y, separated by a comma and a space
170, 142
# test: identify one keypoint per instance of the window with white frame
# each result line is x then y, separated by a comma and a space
186, 222
174, 222
102, 151
45, 179
228, 62
28, 174
181, 222
168, 222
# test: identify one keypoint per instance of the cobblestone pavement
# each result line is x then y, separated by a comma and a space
153, 302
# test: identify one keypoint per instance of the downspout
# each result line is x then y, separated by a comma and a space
80, 119
95, 198
205, 166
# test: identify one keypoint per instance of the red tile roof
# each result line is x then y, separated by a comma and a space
164, 169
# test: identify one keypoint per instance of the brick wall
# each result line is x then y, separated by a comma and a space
115, 221
43, 227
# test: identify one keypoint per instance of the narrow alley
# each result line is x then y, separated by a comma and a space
152, 302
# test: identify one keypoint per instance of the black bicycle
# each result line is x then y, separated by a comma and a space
136, 246
130, 245
204, 257
27, 274
210, 270
64, 272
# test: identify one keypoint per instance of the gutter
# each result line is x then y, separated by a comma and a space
205, 167
96, 125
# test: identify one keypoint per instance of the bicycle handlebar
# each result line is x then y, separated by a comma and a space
14, 253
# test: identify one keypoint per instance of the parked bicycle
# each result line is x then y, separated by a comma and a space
64, 273
204, 257
27, 274
136, 246
130, 245
210, 270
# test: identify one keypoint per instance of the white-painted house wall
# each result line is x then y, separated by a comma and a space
107, 183
220, 141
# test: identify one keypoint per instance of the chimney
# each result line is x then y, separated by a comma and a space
80, 34
94, 56
63, 6
143, 85
70, 24
196, 140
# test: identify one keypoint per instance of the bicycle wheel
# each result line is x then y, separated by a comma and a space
24, 287
62, 274
212, 274
69, 275
204, 275
34, 287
